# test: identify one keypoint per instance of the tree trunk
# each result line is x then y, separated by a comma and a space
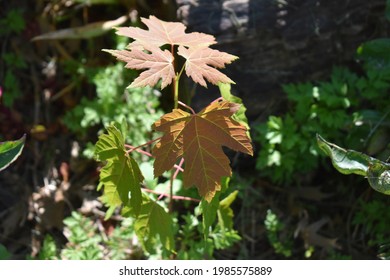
282, 41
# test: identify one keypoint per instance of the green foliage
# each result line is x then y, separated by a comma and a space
10, 151
87, 242
332, 109
13, 22
274, 227
114, 103
197, 242
4, 254
121, 176
153, 225
12, 90
49, 249
373, 217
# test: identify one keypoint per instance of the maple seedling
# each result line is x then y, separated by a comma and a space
195, 139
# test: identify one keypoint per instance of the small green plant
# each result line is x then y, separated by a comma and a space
87, 242
274, 227
332, 109
191, 142
136, 107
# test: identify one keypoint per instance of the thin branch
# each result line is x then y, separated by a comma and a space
188, 107
176, 197
142, 145
132, 148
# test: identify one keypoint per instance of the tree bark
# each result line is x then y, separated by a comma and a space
282, 41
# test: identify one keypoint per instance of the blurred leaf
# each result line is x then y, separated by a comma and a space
121, 175
84, 32
352, 162
4, 254
378, 49
10, 151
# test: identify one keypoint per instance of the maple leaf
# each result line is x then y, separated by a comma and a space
145, 53
199, 61
158, 62
121, 174
199, 139
161, 33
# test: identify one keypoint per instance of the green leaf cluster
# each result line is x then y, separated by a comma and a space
332, 109
87, 242
274, 228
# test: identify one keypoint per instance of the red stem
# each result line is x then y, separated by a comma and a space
177, 197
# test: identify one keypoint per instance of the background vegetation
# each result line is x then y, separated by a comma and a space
57, 86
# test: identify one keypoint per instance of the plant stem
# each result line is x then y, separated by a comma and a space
175, 197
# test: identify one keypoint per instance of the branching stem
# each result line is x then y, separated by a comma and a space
175, 197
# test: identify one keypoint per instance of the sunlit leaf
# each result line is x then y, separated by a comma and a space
225, 212
145, 53
352, 162
121, 175
200, 63
10, 151
199, 139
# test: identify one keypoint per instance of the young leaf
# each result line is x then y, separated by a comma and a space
199, 138
352, 162
225, 213
145, 53
121, 175
159, 64
152, 222
161, 33
199, 61
10, 151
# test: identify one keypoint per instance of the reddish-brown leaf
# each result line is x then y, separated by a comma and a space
199, 139
200, 62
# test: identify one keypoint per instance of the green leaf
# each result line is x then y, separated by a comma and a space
209, 209
121, 175
240, 114
225, 213
352, 162
209, 213
152, 222
378, 49
10, 151
4, 254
